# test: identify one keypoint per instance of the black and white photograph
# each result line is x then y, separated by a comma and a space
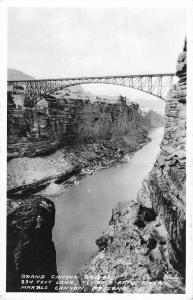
96, 149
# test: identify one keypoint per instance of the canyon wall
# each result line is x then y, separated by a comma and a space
164, 189
143, 248
31, 256
36, 131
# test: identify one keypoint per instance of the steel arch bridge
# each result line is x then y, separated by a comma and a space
155, 84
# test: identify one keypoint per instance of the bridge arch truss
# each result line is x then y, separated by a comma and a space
155, 84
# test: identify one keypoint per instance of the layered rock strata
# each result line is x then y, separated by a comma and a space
37, 131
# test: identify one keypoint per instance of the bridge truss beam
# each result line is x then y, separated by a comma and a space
154, 84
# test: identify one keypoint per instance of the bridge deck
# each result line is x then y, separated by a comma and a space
95, 77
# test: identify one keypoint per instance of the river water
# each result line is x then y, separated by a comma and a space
84, 211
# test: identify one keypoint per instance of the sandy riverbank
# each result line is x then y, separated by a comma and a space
89, 157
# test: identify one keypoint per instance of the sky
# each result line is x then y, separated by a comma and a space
68, 42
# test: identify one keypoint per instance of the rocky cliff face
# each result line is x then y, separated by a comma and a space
143, 248
31, 257
164, 190
32, 132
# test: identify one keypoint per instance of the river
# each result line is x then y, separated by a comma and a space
84, 211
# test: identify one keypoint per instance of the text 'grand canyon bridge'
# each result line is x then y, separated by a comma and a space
154, 84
